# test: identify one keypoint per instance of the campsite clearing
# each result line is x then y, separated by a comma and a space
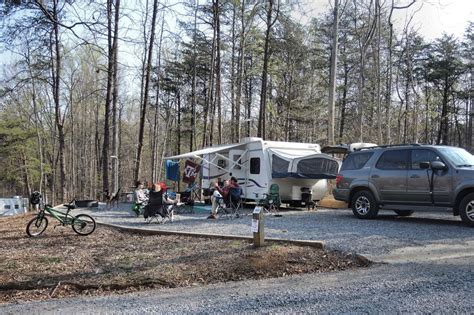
61, 263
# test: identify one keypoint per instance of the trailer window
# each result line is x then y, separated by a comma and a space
221, 163
279, 165
255, 166
236, 159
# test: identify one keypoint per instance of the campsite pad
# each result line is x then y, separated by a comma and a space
60, 263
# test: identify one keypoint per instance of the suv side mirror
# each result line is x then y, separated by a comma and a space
438, 165
424, 165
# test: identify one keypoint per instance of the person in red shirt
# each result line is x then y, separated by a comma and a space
222, 193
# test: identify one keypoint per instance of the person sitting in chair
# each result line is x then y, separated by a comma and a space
141, 198
140, 193
222, 193
155, 202
168, 201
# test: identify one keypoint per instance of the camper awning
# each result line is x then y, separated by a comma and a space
289, 154
200, 153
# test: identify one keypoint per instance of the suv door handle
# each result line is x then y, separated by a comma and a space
375, 176
414, 176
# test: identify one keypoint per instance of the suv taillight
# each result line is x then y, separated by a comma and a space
338, 179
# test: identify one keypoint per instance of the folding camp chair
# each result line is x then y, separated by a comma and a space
156, 209
272, 201
230, 206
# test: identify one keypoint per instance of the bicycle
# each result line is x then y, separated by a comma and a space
82, 224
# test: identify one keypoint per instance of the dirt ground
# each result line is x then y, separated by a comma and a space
61, 263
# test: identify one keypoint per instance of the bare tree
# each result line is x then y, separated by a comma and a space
271, 19
146, 92
332, 79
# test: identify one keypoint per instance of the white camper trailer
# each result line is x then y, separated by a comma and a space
296, 167
13, 206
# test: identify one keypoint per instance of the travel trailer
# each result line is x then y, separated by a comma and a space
13, 206
299, 169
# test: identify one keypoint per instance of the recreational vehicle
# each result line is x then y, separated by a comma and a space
299, 169
13, 206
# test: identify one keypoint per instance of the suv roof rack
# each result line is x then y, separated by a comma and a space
390, 145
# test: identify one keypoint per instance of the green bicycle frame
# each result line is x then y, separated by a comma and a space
64, 218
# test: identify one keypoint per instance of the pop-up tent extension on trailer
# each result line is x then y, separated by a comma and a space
298, 168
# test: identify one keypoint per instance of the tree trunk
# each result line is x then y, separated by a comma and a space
192, 140
232, 72
332, 78
471, 114
343, 102
115, 165
443, 124
218, 72
146, 92
56, 93
108, 100
266, 57
154, 155
209, 112
240, 70
378, 74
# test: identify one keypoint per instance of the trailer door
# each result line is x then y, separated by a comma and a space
256, 184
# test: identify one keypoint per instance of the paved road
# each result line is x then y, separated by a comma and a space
427, 265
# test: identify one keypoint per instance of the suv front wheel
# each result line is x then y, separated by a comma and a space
364, 205
466, 209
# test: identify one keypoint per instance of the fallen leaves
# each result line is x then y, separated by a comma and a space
60, 263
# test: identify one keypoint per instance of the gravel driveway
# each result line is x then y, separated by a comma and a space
387, 235
428, 267
443, 287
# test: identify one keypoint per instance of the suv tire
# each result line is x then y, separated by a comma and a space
466, 209
404, 213
364, 205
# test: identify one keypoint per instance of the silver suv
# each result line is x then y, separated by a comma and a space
405, 178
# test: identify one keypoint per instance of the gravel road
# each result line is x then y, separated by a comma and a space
338, 228
442, 287
426, 266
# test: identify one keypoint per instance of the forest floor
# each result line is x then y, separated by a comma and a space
61, 263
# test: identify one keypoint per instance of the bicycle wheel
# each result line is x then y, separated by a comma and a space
36, 226
83, 224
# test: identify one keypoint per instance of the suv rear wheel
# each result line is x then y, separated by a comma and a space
364, 205
466, 209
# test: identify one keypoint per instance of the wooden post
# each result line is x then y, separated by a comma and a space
257, 227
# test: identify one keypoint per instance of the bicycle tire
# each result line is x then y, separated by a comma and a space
83, 224
40, 223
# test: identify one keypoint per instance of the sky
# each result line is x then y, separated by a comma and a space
432, 19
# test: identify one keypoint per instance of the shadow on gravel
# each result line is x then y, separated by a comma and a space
428, 221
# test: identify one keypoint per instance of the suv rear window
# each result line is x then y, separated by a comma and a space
356, 161
393, 160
